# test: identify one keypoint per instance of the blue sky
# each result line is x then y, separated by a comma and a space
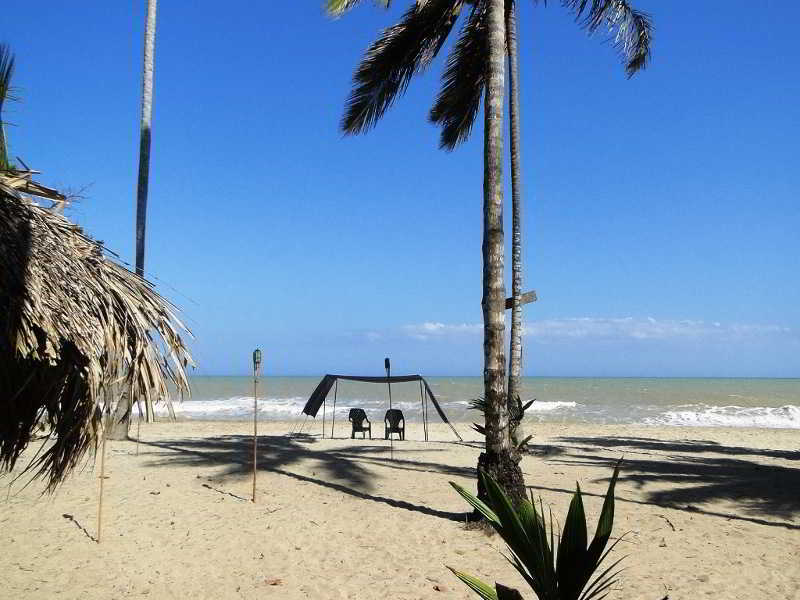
661, 213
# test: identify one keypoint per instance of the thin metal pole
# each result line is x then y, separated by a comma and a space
427, 418
302, 425
255, 428
324, 405
388, 366
333, 418
424, 413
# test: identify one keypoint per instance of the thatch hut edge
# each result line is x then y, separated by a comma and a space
77, 330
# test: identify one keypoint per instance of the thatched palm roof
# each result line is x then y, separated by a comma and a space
76, 330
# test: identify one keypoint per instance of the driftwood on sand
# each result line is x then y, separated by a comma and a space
77, 330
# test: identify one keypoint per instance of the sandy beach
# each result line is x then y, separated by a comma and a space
709, 513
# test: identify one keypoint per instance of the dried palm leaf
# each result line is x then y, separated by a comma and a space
76, 330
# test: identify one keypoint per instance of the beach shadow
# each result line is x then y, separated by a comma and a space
69, 517
344, 469
686, 446
759, 490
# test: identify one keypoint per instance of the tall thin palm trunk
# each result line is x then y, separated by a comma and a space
515, 351
122, 413
144, 141
496, 460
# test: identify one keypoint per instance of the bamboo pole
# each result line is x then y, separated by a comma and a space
138, 424
102, 480
255, 431
256, 372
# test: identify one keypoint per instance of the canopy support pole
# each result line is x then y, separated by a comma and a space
302, 425
427, 418
333, 418
324, 406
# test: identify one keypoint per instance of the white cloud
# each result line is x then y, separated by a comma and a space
610, 328
429, 329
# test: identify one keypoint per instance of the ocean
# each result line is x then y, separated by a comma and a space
773, 403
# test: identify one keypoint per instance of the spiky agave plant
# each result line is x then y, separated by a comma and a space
561, 573
516, 412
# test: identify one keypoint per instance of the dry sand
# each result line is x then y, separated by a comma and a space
710, 513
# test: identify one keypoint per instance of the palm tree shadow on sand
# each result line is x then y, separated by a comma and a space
342, 470
697, 476
764, 493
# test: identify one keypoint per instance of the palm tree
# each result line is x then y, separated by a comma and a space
6, 72
457, 106
122, 414
144, 140
385, 72
515, 350
497, 460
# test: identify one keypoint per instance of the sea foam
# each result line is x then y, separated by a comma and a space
235, 407
544, 406
774, 417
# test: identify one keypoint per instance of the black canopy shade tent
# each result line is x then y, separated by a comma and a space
318, 396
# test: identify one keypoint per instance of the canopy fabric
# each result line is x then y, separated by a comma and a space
324, 387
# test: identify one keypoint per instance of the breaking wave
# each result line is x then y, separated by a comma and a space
777, 417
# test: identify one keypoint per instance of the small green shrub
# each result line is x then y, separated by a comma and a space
561, 573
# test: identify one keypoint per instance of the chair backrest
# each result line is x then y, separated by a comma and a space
394, 416
357, 416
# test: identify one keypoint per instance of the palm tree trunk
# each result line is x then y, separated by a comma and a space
515, 351
122, 415
144, 141
496, 460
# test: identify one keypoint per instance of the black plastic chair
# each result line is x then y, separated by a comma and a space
394, 422
358, 418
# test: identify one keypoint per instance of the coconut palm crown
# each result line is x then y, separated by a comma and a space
408, 48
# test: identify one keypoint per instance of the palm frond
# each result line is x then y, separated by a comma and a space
462, 82
6, 72
336, 8
402, 51
632, 29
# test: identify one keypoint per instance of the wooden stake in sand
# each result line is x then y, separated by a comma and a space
138, 426
102, 480
256, 372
